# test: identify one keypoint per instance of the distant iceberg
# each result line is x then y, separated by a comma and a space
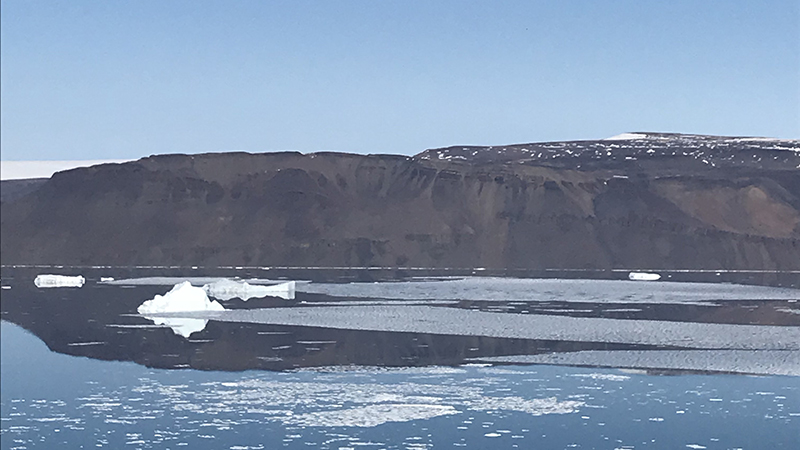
228, 289
182, 298
52, 281
644, 276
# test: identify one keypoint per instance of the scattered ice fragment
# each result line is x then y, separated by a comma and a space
105, 279
369, 416
51, 281
227, 289
183, 297
6, 287
644, 276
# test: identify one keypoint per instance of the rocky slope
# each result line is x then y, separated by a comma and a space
643, 200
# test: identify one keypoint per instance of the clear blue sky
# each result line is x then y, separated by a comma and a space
124, 79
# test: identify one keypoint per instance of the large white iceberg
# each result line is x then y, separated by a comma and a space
51, 281
183, 297
227, 289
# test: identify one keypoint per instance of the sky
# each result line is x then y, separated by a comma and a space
125, 79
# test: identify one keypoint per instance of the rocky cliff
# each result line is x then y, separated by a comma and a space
645, 200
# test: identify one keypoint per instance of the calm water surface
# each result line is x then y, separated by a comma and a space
409, 364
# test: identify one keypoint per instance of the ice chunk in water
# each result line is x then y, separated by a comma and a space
51, 281
182, 298
643, 276
228, 289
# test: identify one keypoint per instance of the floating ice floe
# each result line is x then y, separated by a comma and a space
644, 276
227, 289
52, 281
760, 362
106, 279
461, 322
6, 287
182, 298
162, 281
550, 289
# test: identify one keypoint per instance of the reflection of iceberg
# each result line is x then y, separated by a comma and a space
182, 298
181, 326
228, 289
51, 281
643, 276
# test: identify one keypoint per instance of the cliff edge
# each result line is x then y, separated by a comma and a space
639, 200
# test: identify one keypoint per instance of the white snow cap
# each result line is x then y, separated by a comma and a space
626, 137
182, 298
52, 281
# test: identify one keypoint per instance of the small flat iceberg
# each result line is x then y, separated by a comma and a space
227, 289
644, 276
183, 297
53, 281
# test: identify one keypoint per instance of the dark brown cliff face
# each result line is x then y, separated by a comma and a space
647, 205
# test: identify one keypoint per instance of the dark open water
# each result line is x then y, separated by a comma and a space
412, 363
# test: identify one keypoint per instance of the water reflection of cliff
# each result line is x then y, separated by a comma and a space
100, 322
427, 322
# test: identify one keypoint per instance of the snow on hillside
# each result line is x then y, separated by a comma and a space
633, 149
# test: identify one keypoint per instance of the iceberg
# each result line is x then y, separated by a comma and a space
643, 276
227, 289
52, 281
183, 297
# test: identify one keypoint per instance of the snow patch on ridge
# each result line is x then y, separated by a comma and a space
626, 137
